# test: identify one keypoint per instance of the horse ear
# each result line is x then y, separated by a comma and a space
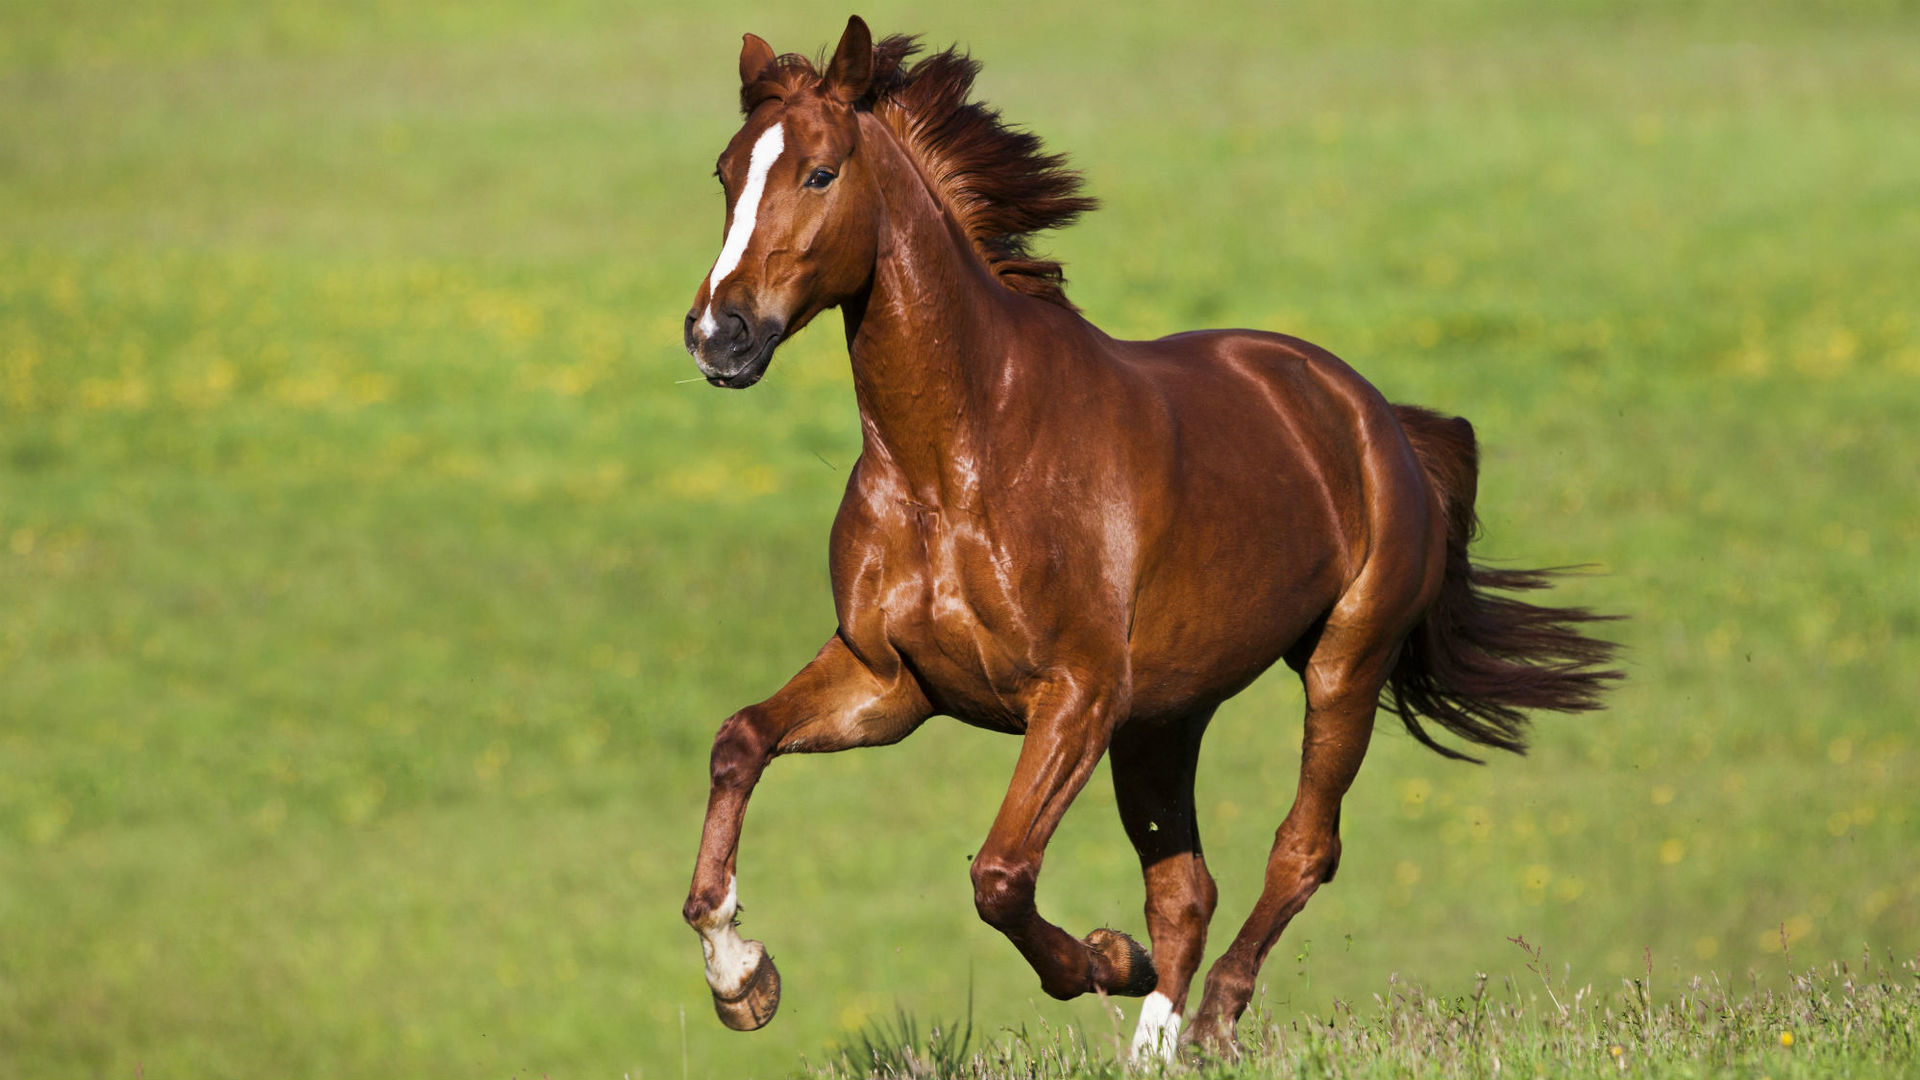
851, 72
756, 56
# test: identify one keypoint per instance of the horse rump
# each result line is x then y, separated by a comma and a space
1478, 660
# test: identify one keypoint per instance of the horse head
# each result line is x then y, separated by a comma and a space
802, 211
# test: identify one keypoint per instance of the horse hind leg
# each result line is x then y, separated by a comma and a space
1343, 677
1153, 771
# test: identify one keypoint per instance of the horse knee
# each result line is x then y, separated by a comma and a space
739, 752
1002, 890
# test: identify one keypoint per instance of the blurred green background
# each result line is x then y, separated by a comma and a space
370, 587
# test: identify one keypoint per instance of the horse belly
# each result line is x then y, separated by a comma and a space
1231, 593
1201, 649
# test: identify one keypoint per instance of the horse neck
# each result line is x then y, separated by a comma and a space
923, 338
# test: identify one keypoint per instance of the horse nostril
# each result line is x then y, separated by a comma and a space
741, 338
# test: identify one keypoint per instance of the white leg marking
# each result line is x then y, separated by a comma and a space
730, 958
766, 150
1158, 1035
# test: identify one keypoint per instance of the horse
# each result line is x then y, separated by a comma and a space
1087, 542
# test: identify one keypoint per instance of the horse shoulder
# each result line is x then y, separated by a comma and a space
877, 544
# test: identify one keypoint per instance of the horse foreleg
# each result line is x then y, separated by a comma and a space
836, 702
1068, 725
1153, 772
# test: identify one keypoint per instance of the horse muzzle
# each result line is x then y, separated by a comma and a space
731, 349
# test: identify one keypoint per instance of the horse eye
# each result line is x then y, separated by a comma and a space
820, 178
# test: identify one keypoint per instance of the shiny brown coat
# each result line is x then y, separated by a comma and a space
1088, 542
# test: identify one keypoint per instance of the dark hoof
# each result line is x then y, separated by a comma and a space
1131, 969
757, 1001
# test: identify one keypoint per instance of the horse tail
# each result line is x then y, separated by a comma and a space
1477, 659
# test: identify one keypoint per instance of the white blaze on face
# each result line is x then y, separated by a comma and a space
766, 150
730, 958
1158, 1034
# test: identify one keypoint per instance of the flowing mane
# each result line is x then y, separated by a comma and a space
997, 181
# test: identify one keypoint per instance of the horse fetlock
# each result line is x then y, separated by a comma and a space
706, 909
1121, 967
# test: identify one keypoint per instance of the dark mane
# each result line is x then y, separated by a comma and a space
996, 181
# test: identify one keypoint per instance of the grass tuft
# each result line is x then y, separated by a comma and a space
895, 1048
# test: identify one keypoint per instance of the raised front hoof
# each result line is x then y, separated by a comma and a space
757, 1000
1129, 969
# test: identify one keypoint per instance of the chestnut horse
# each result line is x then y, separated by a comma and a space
1088, 542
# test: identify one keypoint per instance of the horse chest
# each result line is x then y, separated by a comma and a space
948, 604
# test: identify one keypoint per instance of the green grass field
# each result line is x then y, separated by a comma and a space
370, 587
1859, 1019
